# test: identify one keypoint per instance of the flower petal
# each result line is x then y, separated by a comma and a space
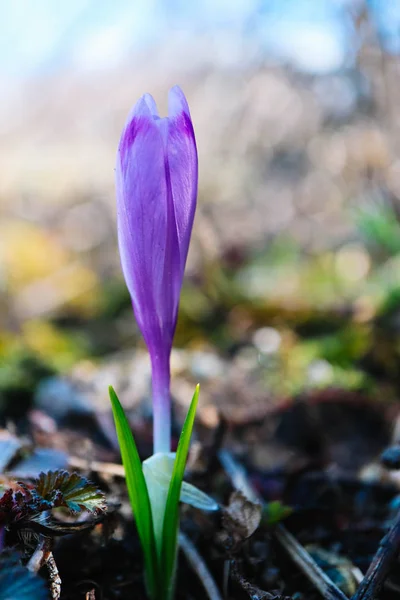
142, 216
143, 108
183, 165
177, 102
151, 104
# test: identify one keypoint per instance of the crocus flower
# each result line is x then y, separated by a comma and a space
156, 182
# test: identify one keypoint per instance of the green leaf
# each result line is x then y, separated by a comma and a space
378, 222
274, 512
71, 490
171, 517
138, 494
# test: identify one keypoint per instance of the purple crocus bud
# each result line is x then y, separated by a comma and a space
156, 183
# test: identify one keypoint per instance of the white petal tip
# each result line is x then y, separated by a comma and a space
177, 102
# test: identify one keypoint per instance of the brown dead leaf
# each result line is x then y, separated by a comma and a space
240, 520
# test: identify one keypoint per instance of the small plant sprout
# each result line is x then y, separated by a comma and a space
28, 511
156, 186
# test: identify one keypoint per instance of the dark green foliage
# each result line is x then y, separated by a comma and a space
27, 506
72, 491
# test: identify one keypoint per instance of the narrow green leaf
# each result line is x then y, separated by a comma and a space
138, 494
171, 517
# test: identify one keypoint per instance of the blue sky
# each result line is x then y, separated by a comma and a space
315, 35
387, 18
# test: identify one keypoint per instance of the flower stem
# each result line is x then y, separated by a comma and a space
161, 403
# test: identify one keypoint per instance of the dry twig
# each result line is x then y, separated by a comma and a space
307, 564
384, 558
199, 567
104, 468
55, 579
43, 556
299, 555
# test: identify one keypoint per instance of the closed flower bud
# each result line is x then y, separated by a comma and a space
156, 183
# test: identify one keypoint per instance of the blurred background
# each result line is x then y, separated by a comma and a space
293, 278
